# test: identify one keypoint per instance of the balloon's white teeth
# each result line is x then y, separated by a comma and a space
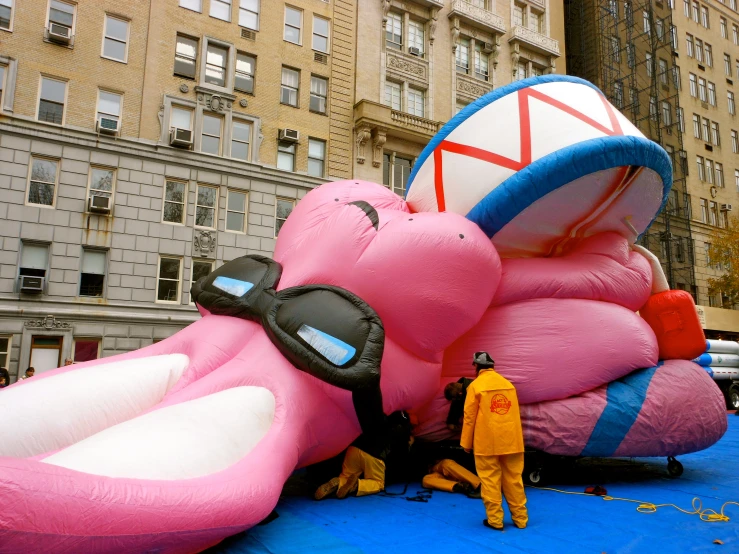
182, 441
54, 412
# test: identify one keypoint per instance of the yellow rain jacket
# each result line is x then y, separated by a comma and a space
492, 421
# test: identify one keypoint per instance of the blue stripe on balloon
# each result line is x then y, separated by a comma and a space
625, 398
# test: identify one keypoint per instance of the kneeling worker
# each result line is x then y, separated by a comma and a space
447, 475
492, 428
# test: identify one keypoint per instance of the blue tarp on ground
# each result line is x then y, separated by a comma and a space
558, 523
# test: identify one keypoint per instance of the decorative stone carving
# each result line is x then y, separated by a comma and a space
540, 42
432, 26
184, 88
515, 56
408, 67
496, 52
160, 115
385, 10
363, 134
377, 144
470, 88
243, 103
455, 34
218, 102
204, 243
49, 323
477, 16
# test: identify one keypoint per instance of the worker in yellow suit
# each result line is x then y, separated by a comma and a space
447, 475
492, 429
357, 463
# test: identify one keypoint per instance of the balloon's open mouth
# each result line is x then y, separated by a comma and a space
102, 426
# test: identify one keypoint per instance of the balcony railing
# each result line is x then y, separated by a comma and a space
414, 122
535, 41
476, 16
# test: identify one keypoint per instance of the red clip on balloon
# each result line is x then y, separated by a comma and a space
672, 316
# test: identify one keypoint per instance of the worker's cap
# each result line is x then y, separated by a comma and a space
483, 360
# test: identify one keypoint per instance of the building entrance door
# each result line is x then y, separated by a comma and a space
46, 353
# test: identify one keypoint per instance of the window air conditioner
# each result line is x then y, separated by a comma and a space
413, 51
99, 203
487, 47
726, 207
180, 137
107, 125
32, 285
289, 135
60, 33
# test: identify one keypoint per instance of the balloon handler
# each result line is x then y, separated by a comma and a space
366, 460
492, 429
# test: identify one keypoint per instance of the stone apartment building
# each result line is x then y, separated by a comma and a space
143, 144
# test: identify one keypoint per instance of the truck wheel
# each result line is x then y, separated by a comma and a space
733, 397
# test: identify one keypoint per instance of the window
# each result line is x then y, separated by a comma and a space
109, 105
236, 211
92, 272
702, 89
734, 142
616, 49
394, 31
696, 126
194, 5
6, 14
61, 14
320, 34
51, 100
715, 134
86, 350
720, 175
186, 57
174, 202
206, 204
736, 179
42, 185
519, 14
290, 86
727, 65
705, 134
245, 68
286, 156
318, 92
686, 8
521, 71
732, 105
645, 19
676, 77
653, 108
701, 168
392, 95
416, 102
704, 17
696, 12
198, 270
618, 94
168, 278
115, 42
316, 157
704, 210
535, 21
713, 214
711, 94
283, 208
395, 172
724, 28
681, 119
4, 353
693, 85
180, 118
240, 139
650, 64
216, 62
689, 45
210, 141
709, 171
663, 77
249, 14
630, 55
462, 56
220, 9
666, 113
416, 36
699, 50
293, 24
34, 259
102, 180
709, 55
735, 33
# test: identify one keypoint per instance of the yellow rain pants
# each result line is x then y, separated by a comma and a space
503, 472
447, 473
358, 462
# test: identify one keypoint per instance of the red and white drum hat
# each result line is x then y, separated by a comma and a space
541, 162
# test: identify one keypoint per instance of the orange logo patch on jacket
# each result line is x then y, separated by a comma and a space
500, 404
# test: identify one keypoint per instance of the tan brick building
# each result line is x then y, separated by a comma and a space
144, 143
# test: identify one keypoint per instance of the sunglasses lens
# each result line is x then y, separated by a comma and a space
234, 287
328, 324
